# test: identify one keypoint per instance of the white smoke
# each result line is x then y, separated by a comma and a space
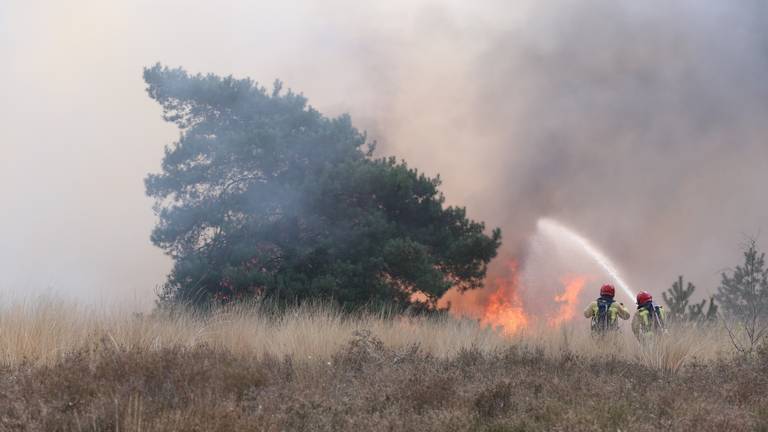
641, 123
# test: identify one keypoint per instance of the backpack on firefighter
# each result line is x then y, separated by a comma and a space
650, 319
604, 313
604, 319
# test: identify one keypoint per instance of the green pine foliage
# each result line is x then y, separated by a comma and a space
678, 298
697, 313
262, 195
743, 295
744, 292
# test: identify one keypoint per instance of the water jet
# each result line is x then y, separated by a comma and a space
560, 233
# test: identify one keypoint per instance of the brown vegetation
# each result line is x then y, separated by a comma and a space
323, 371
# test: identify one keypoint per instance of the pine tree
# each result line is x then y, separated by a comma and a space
745, 291
696, 312
263, 196
677, 299
744, 297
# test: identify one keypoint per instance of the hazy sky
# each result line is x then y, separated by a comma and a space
640, 123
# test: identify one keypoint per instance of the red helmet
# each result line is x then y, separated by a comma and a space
644, 297
607, 290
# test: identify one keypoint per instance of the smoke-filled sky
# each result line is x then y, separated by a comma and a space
641, 124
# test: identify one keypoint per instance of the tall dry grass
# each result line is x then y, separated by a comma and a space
313, 368
44, 330
680, 345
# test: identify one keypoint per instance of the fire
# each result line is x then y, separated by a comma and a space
504, 303
505, 311
568, 300
498, 305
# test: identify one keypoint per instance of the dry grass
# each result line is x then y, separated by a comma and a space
43, 331
680, 346
68, 367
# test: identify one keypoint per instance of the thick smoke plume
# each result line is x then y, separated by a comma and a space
641, 124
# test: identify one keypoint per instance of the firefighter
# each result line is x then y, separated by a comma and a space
604, 312
649, 320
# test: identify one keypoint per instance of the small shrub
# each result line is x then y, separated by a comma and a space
363, 349
494, 401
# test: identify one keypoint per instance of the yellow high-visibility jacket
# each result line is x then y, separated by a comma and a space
616, 310
642, 325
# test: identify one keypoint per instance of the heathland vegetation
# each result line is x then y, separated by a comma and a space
303, 296
317, 368
254, 365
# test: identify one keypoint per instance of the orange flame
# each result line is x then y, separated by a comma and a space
505, 311
503, 304
504, 307
568, 300
497, 305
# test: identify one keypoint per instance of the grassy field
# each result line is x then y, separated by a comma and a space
68, 367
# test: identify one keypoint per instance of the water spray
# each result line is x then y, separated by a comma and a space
556, 230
